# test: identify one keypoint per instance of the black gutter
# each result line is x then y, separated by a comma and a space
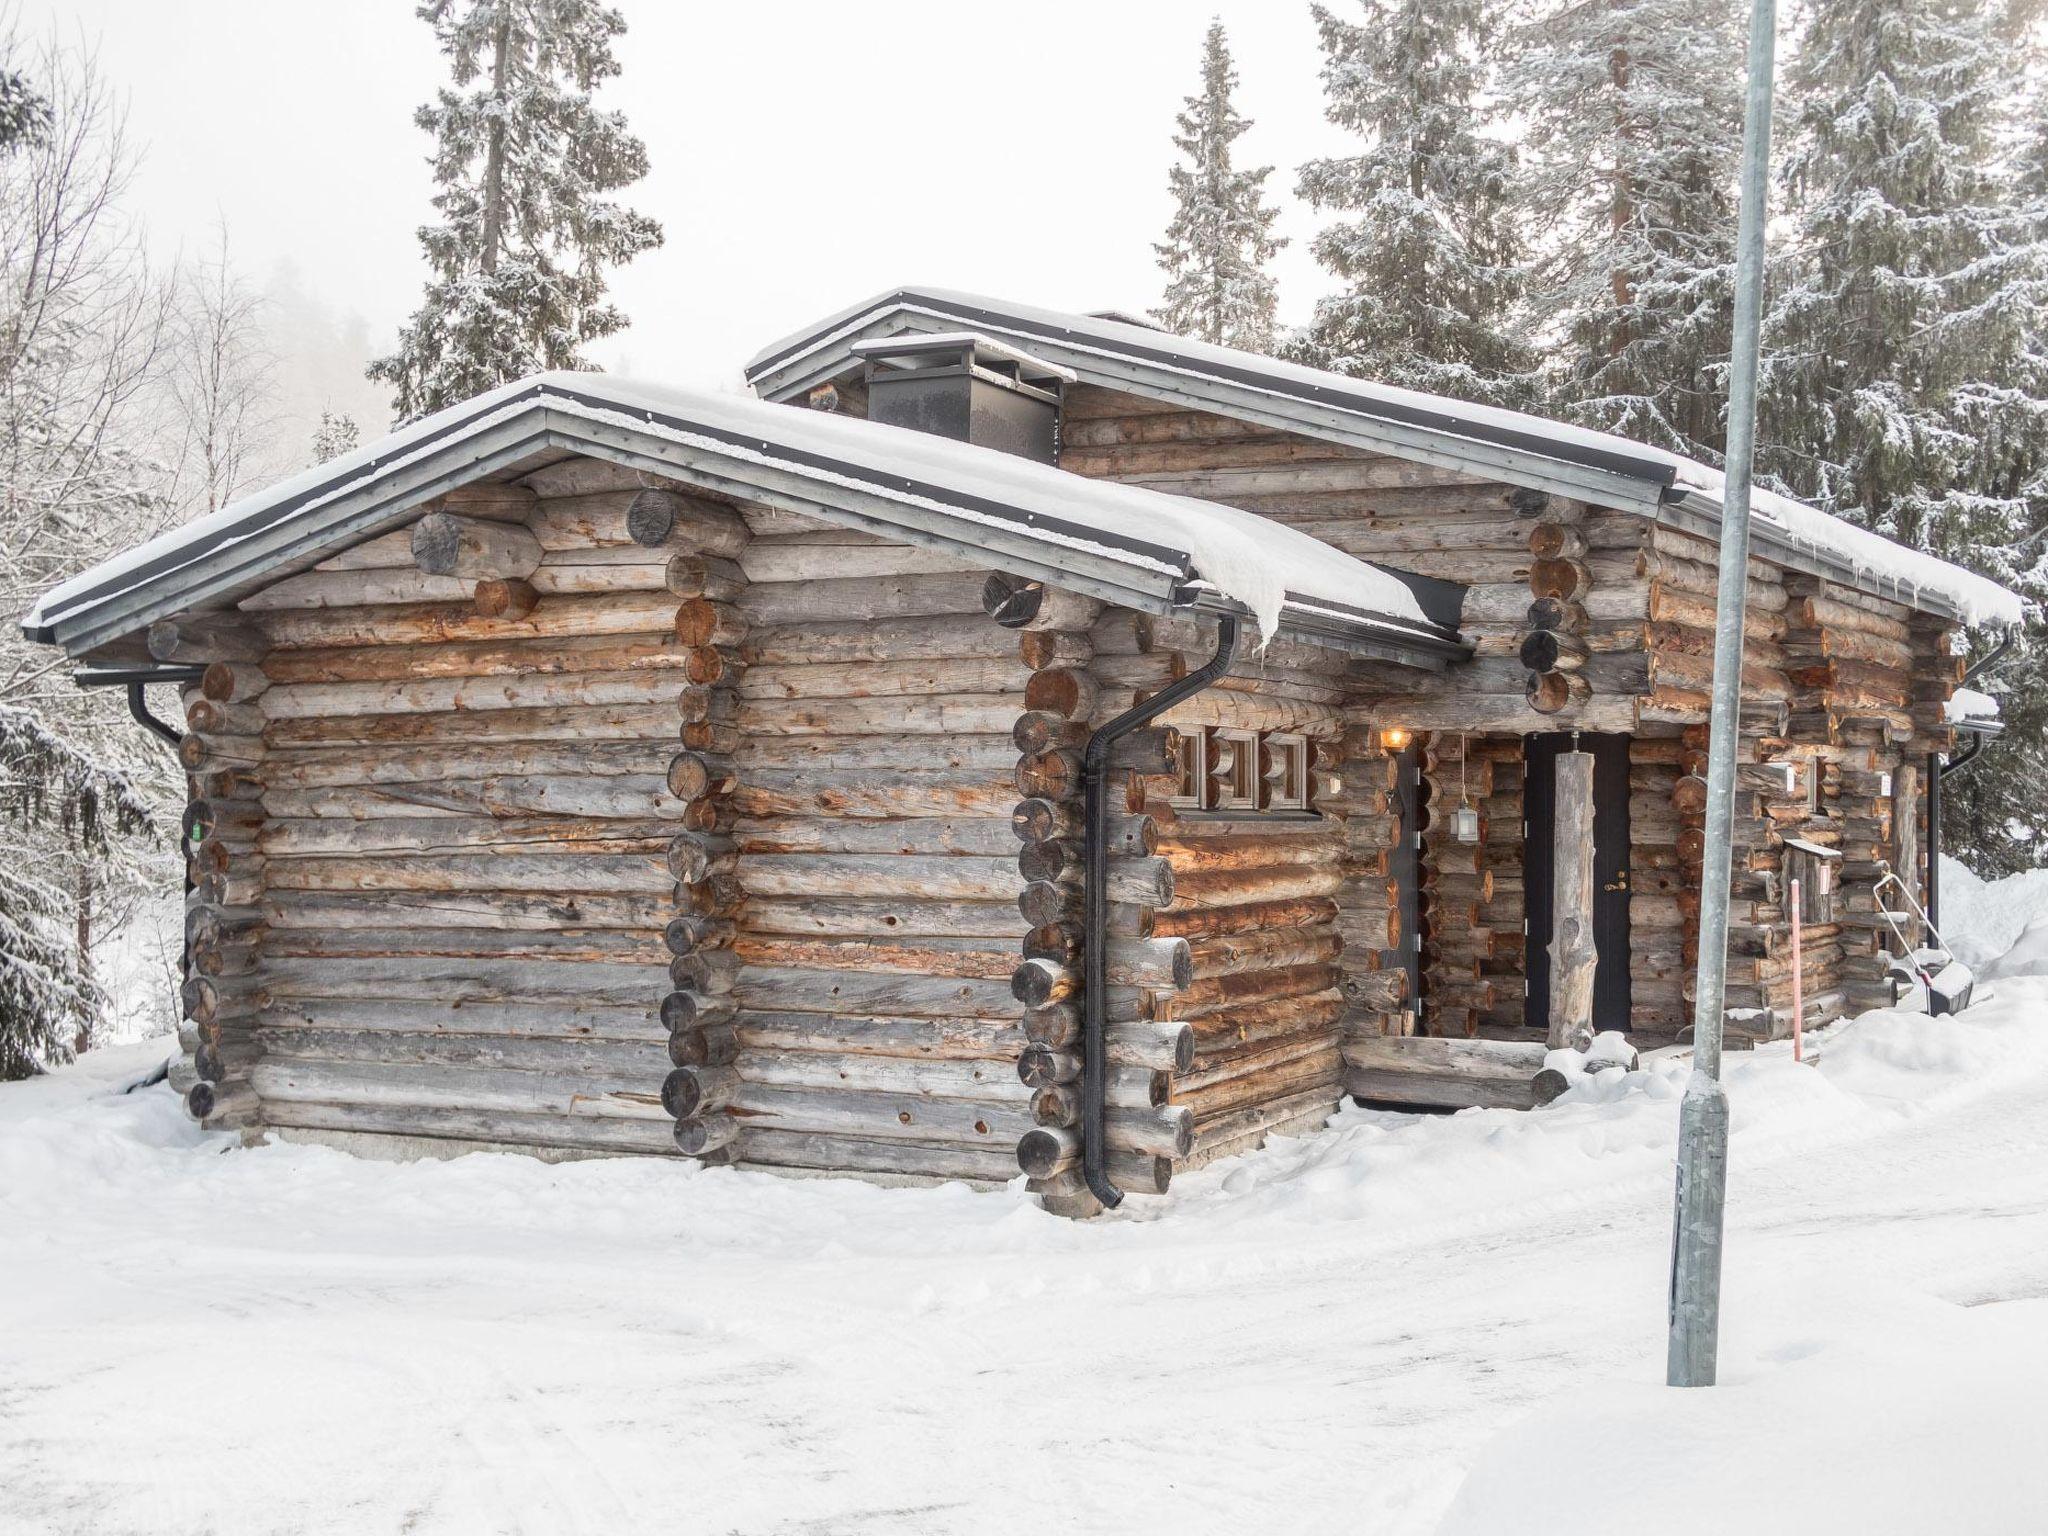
1095, 853
135, 679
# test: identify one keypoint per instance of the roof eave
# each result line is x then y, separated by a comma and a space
374, 504
1699, 512
796, 369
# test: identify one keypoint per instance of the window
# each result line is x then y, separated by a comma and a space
1241, 773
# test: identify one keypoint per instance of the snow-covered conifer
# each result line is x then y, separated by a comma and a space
1429, 262
1221, 236
523, 160
83, 332
1634, 126
337, 434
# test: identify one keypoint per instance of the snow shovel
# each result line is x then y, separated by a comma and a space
1947, 980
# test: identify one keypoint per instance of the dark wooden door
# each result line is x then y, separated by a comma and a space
1611, 998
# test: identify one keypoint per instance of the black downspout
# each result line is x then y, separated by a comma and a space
1095, 889
1934, 841
138, 706
1935, 769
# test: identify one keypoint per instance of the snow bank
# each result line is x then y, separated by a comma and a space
1981, 918
1905, 1416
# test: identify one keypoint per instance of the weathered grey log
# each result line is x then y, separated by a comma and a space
692, 775
711, 1045
943, 1037
699, 1138
685, 1011
688, 932
781, 559
390, 1087
900, 915
472, 548
952, 637
980, 676
474, 1129
223, 1104
415, 622
448, 694
568, 1056
712, 971
781, 989
1018, 603
842, 599
206, 637
408, 978
1573, 956
483, 762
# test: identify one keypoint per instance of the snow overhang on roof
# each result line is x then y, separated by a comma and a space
1520, 449
1140, 548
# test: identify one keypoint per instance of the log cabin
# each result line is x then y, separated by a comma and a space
1015, 741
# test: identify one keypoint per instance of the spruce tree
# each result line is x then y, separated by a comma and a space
1904, 386
337, 434
1221, 238
1431, 262
1634, 114
525, 235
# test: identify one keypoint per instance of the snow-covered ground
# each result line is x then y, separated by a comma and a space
1401, 1325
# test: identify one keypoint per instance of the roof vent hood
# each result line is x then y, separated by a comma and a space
968, 387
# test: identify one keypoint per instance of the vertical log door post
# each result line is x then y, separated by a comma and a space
1574, 958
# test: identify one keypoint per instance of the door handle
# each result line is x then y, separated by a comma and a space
1620, 884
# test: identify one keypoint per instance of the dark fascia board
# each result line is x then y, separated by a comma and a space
302, 529
1641, 484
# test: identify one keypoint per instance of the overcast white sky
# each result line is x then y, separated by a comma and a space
804, 154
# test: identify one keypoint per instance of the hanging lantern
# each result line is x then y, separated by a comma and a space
1394, 739
1465, 824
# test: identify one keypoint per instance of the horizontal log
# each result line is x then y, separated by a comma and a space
393, 1087
473, 548
526, 913
433, 622
597, 873
887, 679
636, 797
776, 989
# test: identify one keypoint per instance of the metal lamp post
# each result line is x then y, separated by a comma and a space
1703, 1117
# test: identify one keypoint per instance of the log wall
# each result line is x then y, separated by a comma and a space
873, 863
461, 873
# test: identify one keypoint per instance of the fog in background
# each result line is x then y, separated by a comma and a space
804, 156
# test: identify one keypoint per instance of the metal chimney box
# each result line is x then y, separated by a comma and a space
967, 387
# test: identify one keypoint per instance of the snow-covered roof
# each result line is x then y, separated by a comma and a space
1519, 448
1140, 547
